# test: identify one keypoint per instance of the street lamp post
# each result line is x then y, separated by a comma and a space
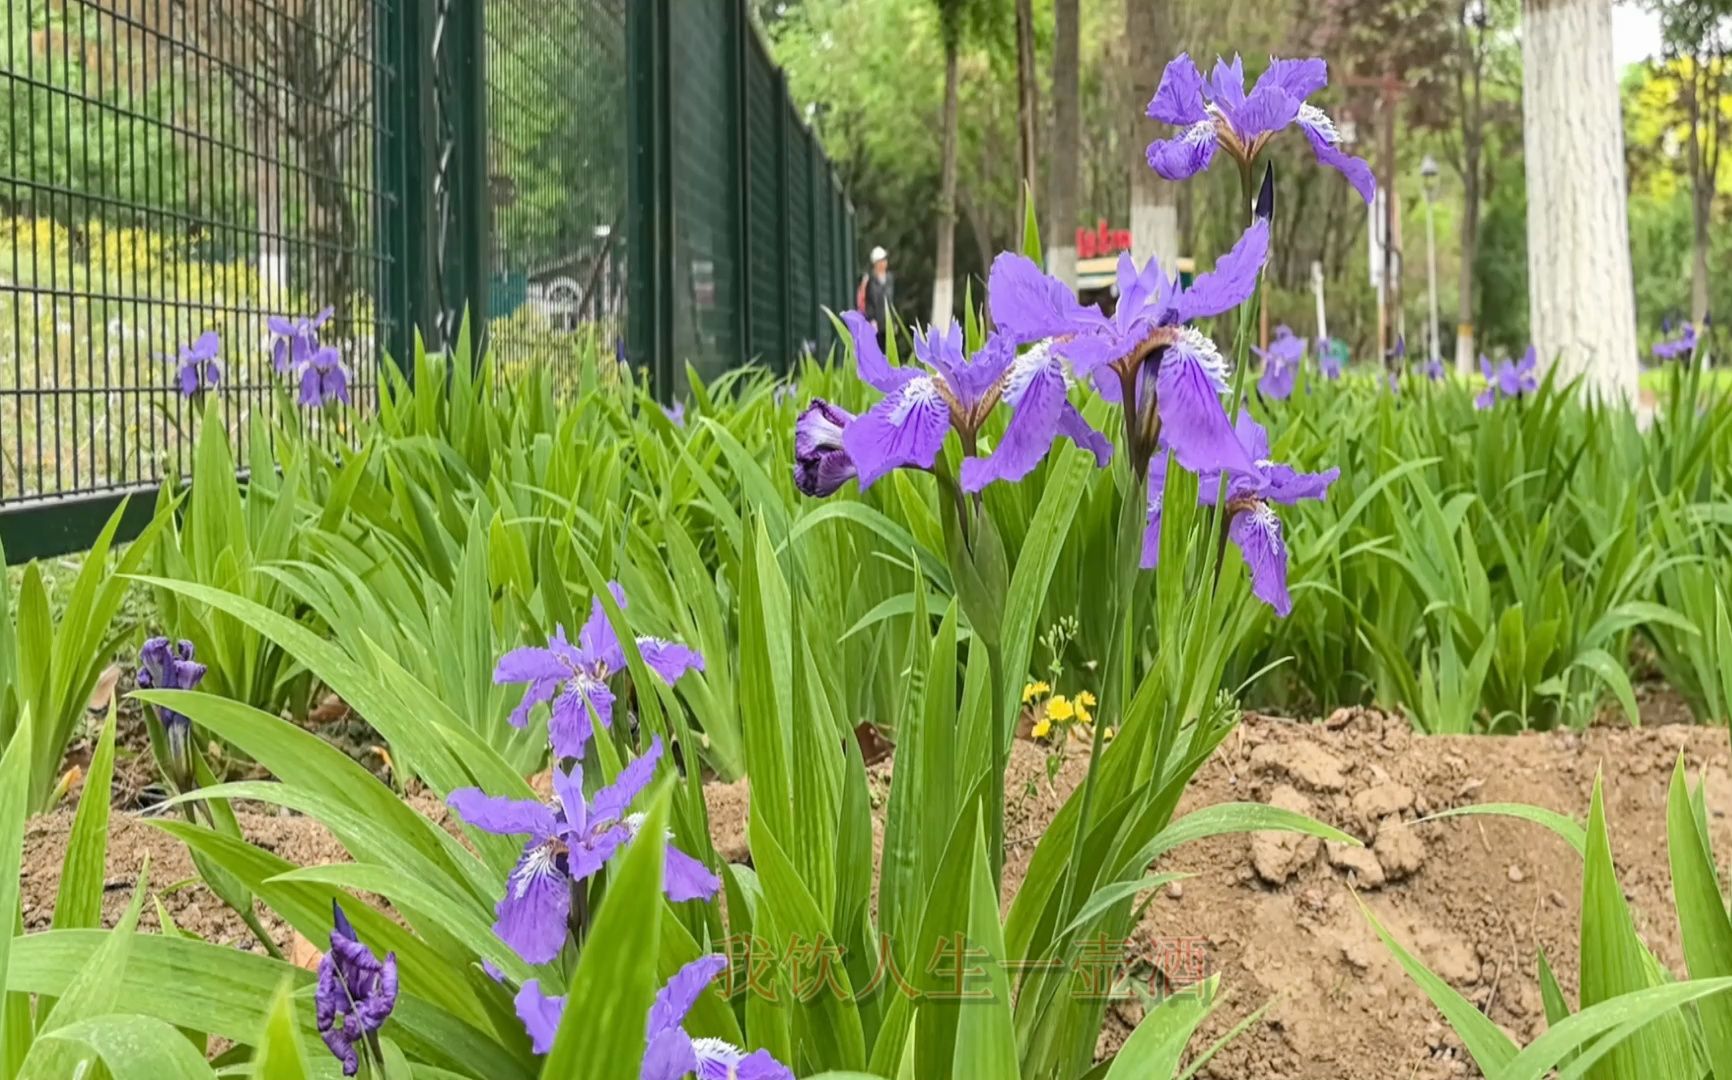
1428, 173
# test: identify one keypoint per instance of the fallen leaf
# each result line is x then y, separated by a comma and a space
874, 747
329, 710
303, 953
102, 694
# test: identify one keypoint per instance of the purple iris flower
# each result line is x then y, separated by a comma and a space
669, 1053
574, 677
1682, 345
676, 413
324, 379
1252, 523
199, 368
1185, 371
1508, 379
540, 1014
355, 995
1280, 363
821, 465
1331, 358
1433, 368
908, 425
297, 339
1217, 113
570, 840
162, 666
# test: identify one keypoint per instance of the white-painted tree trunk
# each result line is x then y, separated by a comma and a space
1581, 293
1060, 213
1154, 202
944, 261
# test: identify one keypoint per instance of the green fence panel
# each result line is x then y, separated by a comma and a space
803, 294
706, 200
161, 177
823, 247
578, 179
556, 182
767, 220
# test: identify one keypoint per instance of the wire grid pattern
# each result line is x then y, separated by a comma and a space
169, 167
806, 290
557, 145
766, 266
706, 191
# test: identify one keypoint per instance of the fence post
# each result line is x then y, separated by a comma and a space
649, 235
403, 180
739, 29
459, 170
784, 231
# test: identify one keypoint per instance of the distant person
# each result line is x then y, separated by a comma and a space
877, 294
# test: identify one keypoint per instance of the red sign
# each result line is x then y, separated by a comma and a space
1091, 244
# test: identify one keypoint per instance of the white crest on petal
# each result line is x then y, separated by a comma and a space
918, 392
713, 1051
1026, 367
1195, 344
537, 864
1263, 517
1318, 120
634, 822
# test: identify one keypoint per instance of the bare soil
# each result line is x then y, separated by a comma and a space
1476, 898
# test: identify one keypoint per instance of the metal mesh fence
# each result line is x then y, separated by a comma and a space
742, 235
170, 168
556, 148
577, 178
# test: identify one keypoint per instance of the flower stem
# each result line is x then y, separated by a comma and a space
251, 918
1116, 687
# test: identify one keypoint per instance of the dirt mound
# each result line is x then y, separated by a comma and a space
174, 880
1474, 897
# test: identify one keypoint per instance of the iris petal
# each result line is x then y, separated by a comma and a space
531, 916
906, 428
1257, 532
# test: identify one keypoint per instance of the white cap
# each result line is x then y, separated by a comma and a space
879, 255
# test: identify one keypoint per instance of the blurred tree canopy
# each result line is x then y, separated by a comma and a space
873, 70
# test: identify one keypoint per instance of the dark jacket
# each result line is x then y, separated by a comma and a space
875, 298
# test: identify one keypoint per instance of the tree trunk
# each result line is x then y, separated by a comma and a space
1154, 205
1582, 295
1027, 109
1472, 151
1701, 193
1061, 208
1468, 303
1464, 329
944, 261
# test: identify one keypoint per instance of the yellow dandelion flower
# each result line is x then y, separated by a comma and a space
1042, 728
1059, 709
1084, 702
1034, 690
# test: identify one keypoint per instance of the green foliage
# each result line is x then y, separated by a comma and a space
475, 514
1636, 1019
50, 662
